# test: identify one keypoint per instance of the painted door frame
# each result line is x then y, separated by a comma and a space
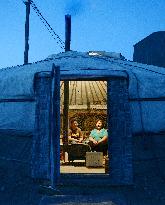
46, 163
46, 140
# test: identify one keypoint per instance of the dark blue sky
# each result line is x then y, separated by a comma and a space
109, 25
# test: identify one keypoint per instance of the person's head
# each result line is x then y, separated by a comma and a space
73, 124
99, 124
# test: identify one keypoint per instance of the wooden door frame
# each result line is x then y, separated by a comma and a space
119, 130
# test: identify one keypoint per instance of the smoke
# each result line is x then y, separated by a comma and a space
75, 7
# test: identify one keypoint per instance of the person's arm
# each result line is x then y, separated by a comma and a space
81, 135
72, 139
91, 139
104, 139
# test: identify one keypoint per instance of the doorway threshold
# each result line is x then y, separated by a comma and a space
86, 179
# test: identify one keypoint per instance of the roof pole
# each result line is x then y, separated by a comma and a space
66, 83
27, 3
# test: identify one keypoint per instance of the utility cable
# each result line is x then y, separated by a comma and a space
56, 37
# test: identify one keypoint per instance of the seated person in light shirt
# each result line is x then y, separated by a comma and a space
75, 135
98, 139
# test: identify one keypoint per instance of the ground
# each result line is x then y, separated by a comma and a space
17, 187
149, 190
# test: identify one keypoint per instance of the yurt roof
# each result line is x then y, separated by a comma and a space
86, 94
145, 81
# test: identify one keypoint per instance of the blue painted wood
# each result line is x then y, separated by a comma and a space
119, 131
46, 140
17, 100
55, 127
41, 137
91, 74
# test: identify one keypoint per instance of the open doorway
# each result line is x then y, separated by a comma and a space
46, 139
87, 104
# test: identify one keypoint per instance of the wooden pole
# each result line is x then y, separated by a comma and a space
55, 128
66, 83
27, 3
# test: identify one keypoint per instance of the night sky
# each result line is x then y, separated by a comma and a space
108, 25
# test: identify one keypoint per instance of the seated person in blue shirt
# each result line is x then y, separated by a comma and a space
98, 139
